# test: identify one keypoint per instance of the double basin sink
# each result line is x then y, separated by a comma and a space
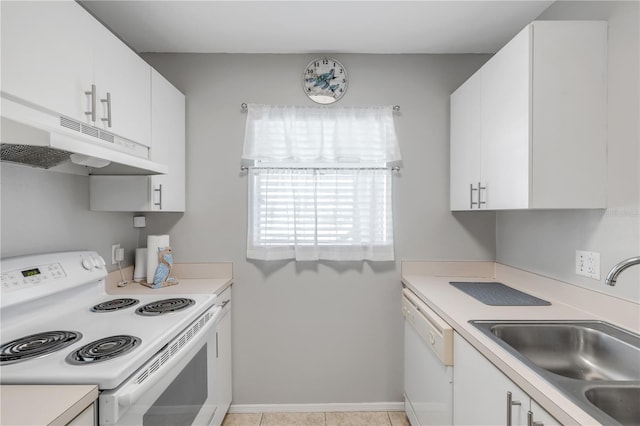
594, 363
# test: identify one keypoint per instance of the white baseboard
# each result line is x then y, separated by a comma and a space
316, 408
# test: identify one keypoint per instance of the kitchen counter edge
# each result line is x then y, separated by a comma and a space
57, 404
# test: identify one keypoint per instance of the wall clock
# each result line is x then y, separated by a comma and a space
325, 80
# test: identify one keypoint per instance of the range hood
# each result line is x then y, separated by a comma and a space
43, 139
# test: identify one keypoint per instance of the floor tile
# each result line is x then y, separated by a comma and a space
398, 418
242, 419
292, 419
358, 418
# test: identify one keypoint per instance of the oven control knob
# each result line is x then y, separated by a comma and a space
88, 263
98, 261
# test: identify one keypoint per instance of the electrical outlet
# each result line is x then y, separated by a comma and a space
588, 264
114, 253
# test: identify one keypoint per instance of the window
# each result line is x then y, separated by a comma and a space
320, 189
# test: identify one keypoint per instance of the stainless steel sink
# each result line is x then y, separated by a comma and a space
621, 403
594, 363
583, 351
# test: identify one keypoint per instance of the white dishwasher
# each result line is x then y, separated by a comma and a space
428, 364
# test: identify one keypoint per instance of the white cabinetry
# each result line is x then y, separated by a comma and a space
53, 53
159, 192
123, 78
528, 130
483, 395
223, 361
86, 418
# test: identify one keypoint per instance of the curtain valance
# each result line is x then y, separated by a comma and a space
320, 134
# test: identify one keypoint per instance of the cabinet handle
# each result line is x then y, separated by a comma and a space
108, 102
217, 345
510, 404
92, 93
159, 191
530, 421
471, 189
480, 188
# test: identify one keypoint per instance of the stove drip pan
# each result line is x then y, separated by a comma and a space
165, 306
103, 349
114, 305
36, 345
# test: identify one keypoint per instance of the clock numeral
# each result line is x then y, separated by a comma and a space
325, 62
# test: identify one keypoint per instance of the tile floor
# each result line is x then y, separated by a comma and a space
351, 418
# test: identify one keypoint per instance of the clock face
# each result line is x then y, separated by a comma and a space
324, 80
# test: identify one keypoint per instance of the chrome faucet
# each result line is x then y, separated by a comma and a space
619, 267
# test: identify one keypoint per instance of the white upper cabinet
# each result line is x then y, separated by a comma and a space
465, 144
47, 55
528, 130
159, 192
55, 53
168, 131
123, 80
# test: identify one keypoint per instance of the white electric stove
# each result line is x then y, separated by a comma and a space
58, 326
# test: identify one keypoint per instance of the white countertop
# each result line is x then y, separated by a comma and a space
430, 281
44, 404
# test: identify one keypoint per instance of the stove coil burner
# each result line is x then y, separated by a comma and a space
36, 345
165, 306
114, 305
103, 349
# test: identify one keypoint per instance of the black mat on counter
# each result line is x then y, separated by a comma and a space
497, 294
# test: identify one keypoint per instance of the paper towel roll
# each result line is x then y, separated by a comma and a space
153, 242
140, 269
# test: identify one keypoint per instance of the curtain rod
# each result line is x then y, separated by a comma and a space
245, 107
393, 169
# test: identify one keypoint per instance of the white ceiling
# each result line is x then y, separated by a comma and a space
316, 26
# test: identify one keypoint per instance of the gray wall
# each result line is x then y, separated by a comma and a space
46, 211
318, 332
545, 241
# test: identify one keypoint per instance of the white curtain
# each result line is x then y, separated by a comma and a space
308, 204
320, 134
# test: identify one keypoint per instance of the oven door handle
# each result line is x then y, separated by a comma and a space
151, 374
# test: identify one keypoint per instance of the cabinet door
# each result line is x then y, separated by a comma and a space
480, 390
47, 55
465, 144
123, 75
506, 127
223, 364
168, 147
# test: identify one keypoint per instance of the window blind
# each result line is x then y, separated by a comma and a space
310, 214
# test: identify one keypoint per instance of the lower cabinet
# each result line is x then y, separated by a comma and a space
87, 417
483, 395
223, 358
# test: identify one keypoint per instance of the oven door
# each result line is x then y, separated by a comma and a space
176, 387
